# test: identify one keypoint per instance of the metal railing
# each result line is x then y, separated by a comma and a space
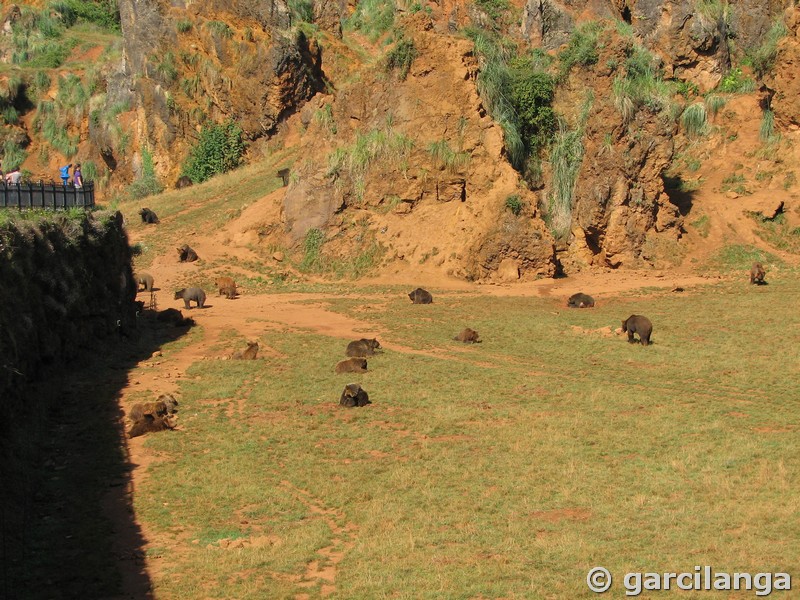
46, 195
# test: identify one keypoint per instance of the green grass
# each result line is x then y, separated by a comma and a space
507, 469
741, 257
702, 225
778, 233
642, 86
694, 120
767, 129
223, 195
736, 183
566, 157
446, 158
348, 164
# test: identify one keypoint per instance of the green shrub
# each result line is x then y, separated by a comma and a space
515, 204
190, 85
302, 10
10, 115
104, 14
183, 26
353, 161
581, 48
13, 155
218, 150
219, 28
90, 171
312, 250
532, 95
373, 17
147, 184
694, 120
165, 66
735, 82
642, 85
767, 129
494, 86
400, 57
762, 59
49, 55
448, 159
495, 9
324, 116
566, 157
714, 103
71, 93
687, 89
57, 136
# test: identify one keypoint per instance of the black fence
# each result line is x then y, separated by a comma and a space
46, 195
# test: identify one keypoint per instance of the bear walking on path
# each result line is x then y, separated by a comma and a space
192, 293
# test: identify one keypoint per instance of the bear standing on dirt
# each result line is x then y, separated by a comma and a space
580, 300
362, 347
226, 286
144, 279
468, 336
353, 395
186, 254
757, 274
352, 365
420, 296
638, 324
192, 293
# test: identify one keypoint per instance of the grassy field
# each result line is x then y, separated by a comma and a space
506, 469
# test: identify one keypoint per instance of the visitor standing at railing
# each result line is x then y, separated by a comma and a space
77, 176
65, 173
14, 176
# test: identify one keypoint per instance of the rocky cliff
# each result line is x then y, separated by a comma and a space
403, 147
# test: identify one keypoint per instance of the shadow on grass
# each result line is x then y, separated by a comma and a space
67, 526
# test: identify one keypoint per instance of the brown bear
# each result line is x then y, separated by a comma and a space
169, 401
362, 347
186, 254
248, 353
175, 317
148, 216
192, 293
757, 274
354, 395
183, 182
144, 279
420, 296
468, 336
580, 300
226, 287
150, 423
154, 409
352, 365
638, 324
284, 175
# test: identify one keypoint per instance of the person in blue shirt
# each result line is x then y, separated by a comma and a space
65, 173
